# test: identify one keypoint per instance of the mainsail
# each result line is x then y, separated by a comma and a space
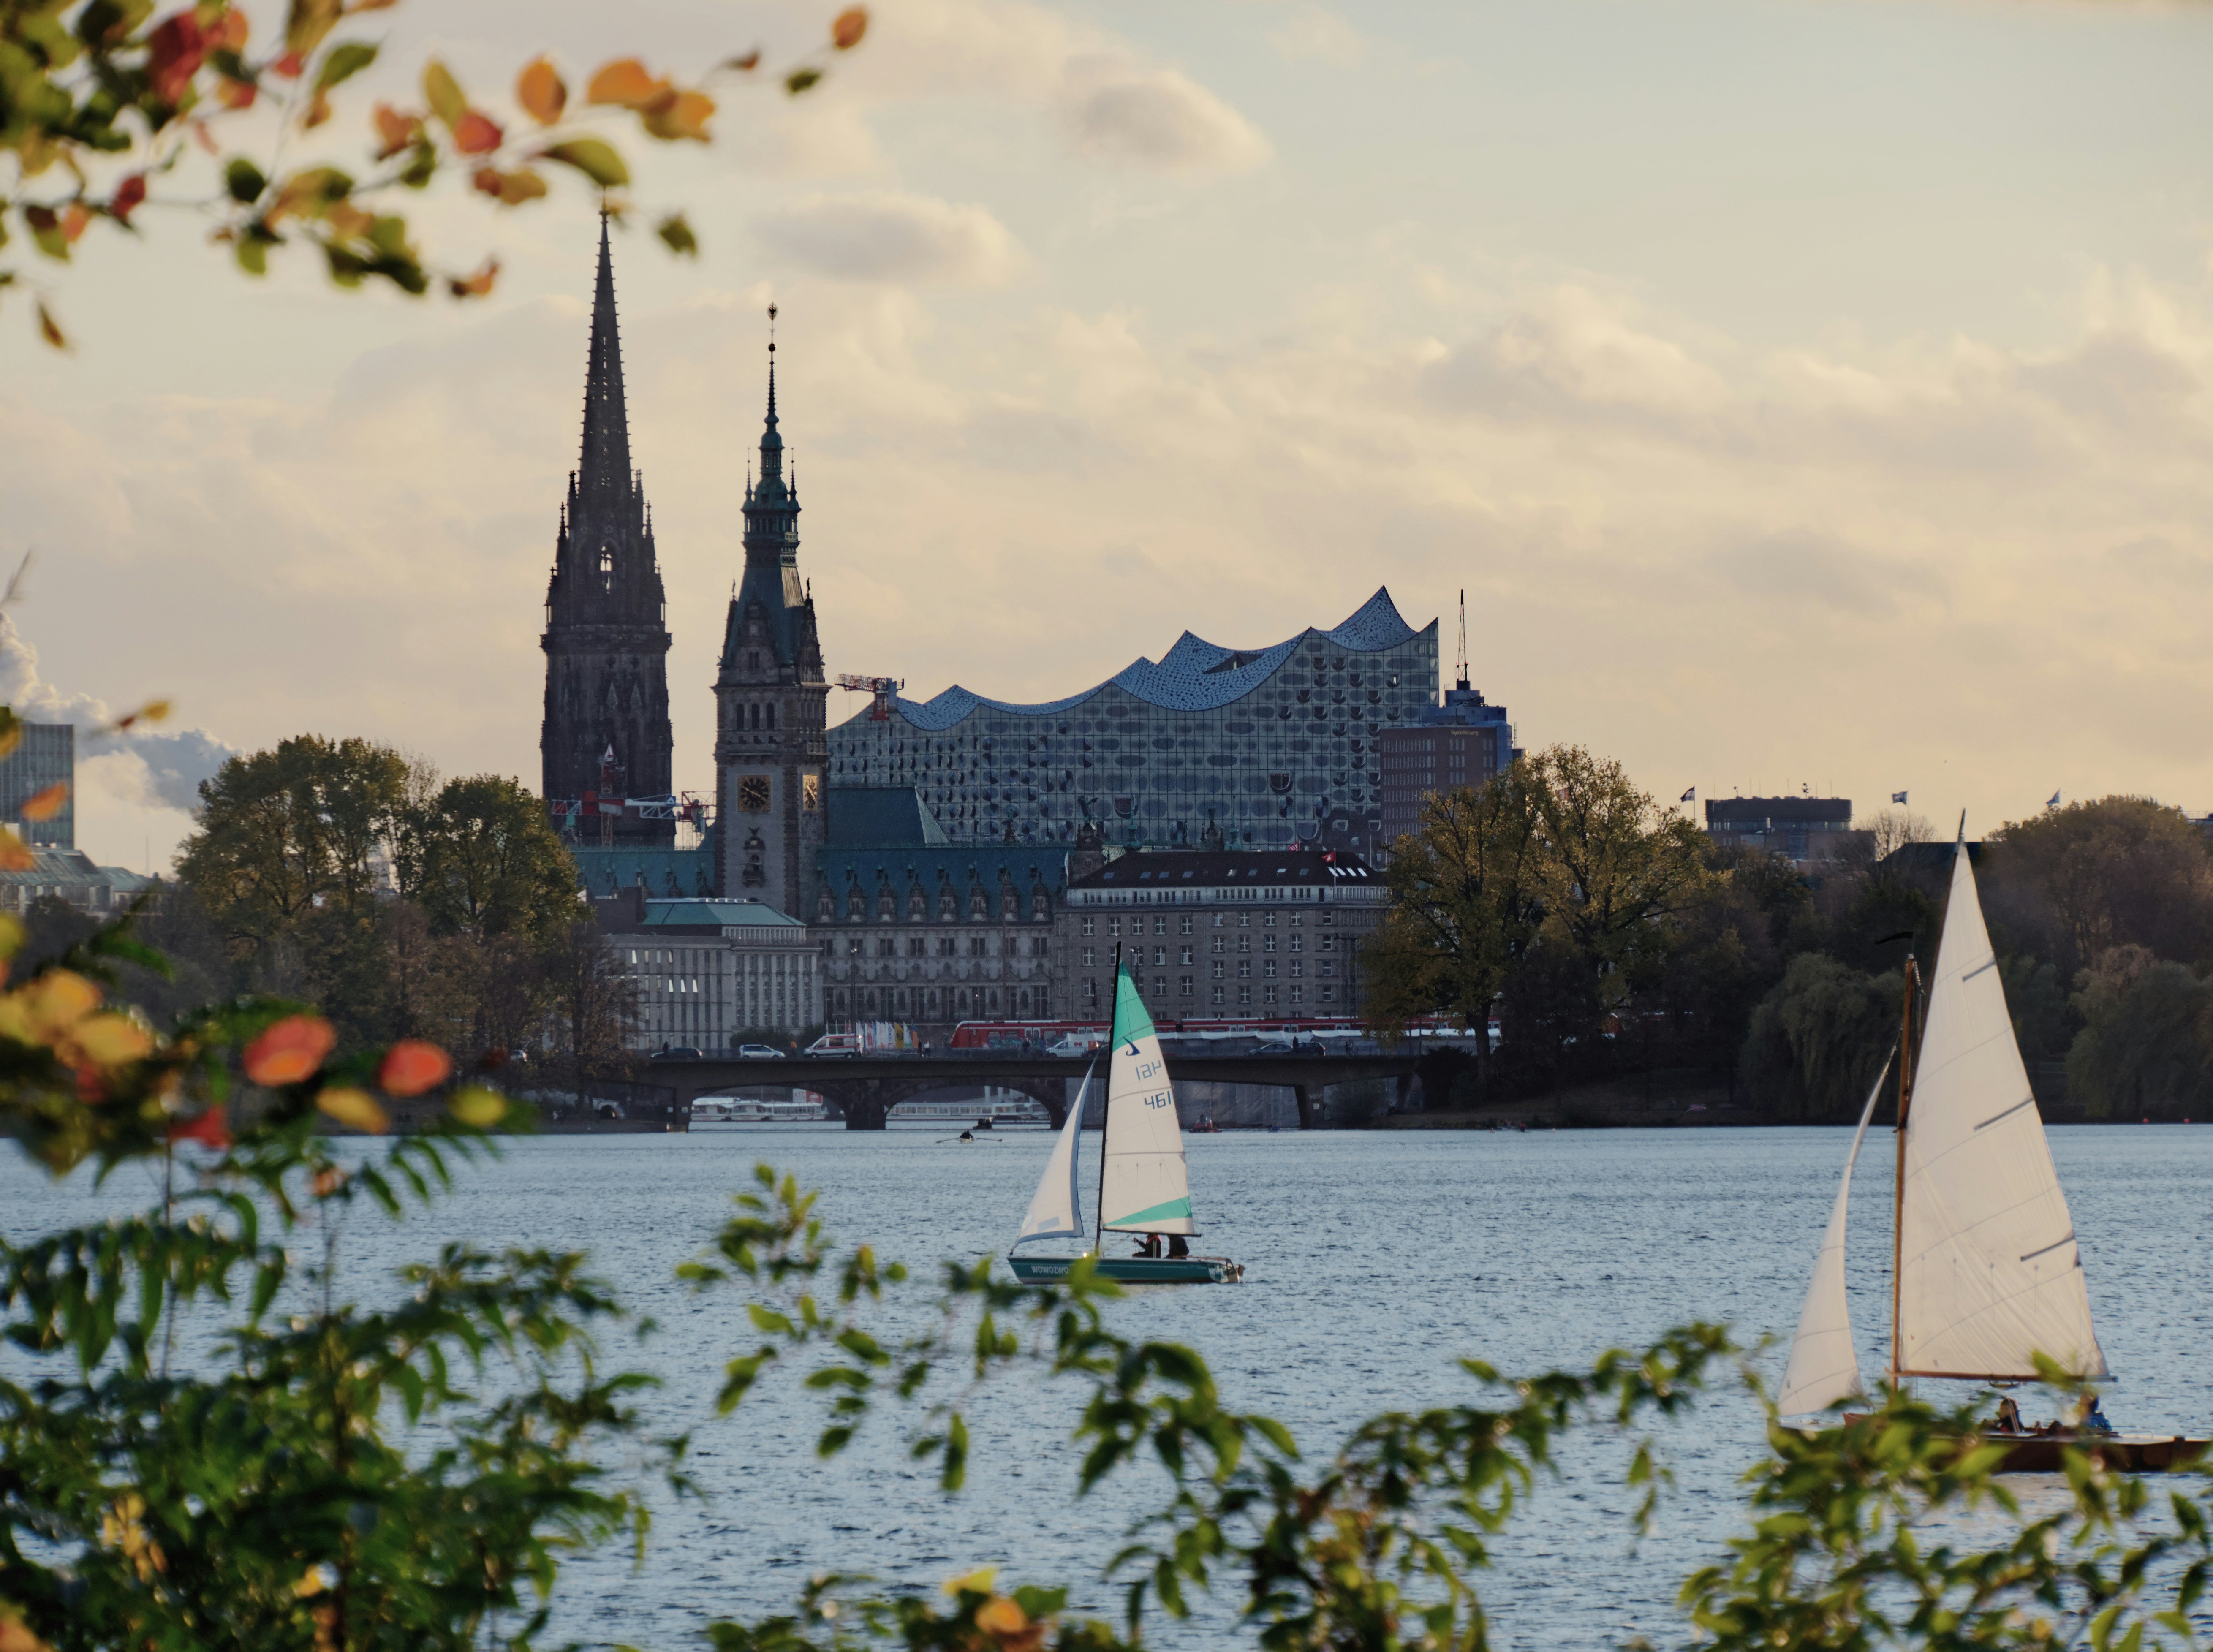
1057, 1208
1989, 1275
1825, 1367
1143, 1186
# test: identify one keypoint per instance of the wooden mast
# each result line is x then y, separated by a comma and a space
1897, 1208
1113, 1025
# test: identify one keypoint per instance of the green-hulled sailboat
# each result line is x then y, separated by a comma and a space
1142, 1178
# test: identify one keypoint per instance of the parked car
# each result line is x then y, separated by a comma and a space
682, 1052
836, 1044
759, 1052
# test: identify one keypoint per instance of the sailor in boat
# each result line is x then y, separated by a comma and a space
2008, 1419
2094, 1419
1178, 1245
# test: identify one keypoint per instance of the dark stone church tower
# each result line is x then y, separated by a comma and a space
607, 641
771, 748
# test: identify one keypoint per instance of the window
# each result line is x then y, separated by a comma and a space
1219, 941
1297, 919
1298, 943
1160, 956
1114, 929
1298, 969
1159, 986
1090, 928
1183, 955
1090, 957
1244, 943
886, 949
1182, 925
1090, 991
1216, 972
1269, 922
1322, 944
1268, 969
1323, 971
1267, 994
1244, 995
1328, 919
1219, 916
1244, 969
1328, 994
1218, 991
1183, 987
1268, 943
771, 718
1160, 926
1244, 920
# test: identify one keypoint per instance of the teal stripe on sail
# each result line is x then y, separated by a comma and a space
1131, 1019
1167, 1212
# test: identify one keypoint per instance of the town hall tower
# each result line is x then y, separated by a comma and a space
606, 731
771, 702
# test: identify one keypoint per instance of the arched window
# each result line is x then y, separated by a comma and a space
771, 714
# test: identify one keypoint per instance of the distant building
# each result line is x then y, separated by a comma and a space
45, 758
1213, 934
1807, 832
708, 971
69, 875
1463, 742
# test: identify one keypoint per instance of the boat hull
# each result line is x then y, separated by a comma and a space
1133, 1270
2120, 1454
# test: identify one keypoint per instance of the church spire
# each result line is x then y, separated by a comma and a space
772, 447
605, 464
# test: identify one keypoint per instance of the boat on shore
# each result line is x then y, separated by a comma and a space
1987, 1274
1142, 1172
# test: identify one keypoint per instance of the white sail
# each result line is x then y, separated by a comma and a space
1057, 1208
1142, 1188
1825, 1367
1989, 1275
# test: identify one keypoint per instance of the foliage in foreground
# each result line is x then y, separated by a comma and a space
204, 1443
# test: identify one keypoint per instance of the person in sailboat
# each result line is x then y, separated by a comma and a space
1149, 1245
2094, 1419
2008, 1419
1178, 1245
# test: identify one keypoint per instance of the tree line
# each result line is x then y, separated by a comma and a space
1607, 934
347, 873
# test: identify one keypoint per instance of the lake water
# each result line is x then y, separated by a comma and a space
1374, 1261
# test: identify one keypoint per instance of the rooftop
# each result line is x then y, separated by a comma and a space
880, 817
1195, 675
1222, 866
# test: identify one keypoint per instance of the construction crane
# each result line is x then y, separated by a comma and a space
882, 687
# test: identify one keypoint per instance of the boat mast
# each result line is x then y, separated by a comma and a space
1897, 1208
1113, 1025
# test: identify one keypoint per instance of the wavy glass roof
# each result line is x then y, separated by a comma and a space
1195, 675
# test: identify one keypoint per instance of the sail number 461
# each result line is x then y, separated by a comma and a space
1158, 1099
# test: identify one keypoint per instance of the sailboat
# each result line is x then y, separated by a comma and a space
1142, 1175
1985, 1271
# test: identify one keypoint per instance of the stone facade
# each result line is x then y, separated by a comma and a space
771, 704
1218, 935
916, 929
1212, 746
606, 731
708, 971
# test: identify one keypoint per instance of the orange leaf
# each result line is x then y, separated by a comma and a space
626, 82
74, 221
291, 66
513, 188
44, 805
746, 65
478, 285
685, 116
327, 1181
15, 853
541, 92
850, 26
476, 134
395, 131
211, 1129
230, 30
237, 93
1001, 1617
128, 194
291, 1051
412, 1066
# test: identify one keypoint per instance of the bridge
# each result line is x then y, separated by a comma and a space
865, 1088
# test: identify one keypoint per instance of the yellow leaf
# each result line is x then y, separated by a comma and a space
478, 285
11, 936
685, 115
14, 1638
541, 92
355, 1109
478, 1107
976, 1583
44, 805
112, 1040
850, 26
57, 1000
593, 157
1001, 1617
15, 854
443, 92
627, 82
49, 330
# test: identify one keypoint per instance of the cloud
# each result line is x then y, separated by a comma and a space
152, 768
1316, 34
1156, 117
908, 240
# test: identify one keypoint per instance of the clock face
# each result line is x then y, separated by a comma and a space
752, 793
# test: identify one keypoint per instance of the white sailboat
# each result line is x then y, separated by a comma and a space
1985, 1273
1143, 1186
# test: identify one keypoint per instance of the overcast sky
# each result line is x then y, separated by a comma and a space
1804, 394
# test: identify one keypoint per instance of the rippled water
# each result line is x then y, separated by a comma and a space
1376, 1260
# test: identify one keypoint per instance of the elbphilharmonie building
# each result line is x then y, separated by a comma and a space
1208, 747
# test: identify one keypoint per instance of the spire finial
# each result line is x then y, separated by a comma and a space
771, 447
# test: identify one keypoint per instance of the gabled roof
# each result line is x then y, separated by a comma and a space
1194, 675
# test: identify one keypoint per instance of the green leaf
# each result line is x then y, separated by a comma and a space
678, 234
444, 94
343, 61
244, 180
801, 80
594, 158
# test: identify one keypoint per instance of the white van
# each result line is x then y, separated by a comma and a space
835, 1043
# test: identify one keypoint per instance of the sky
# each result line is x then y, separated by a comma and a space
1805, 395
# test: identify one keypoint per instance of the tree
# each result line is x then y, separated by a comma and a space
485, 861
1467, 896
108, 110
1622, 872
2074, 882
1818, 1040
2146, 1046
593, 1000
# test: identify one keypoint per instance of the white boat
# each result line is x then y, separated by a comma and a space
1985, 1271
1142, 1172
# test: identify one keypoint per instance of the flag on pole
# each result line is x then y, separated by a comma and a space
1688, 795
2052, 802
1898, 797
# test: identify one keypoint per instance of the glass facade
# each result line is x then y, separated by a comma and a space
1211, 747
46, 758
